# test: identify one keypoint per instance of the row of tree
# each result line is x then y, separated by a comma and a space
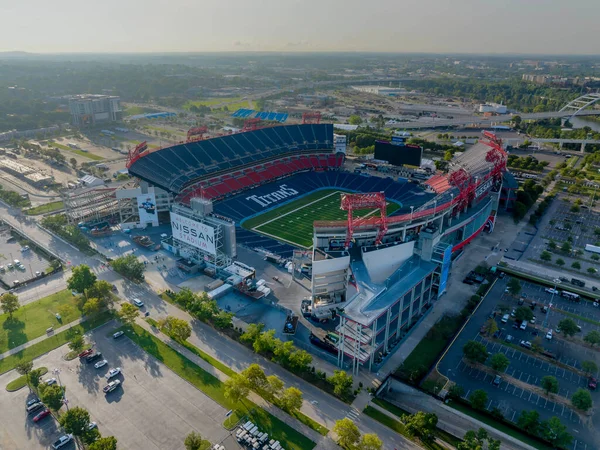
59, 225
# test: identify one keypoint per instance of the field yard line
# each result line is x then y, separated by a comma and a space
297, 209
278, 238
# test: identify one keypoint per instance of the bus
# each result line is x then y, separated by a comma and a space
570, 296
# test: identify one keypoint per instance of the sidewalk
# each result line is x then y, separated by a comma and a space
41, 338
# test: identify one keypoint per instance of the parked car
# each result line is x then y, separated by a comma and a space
113, 373
592, 383
62, 441
508, 338
50, 381
532, 320
93, 357
513, 313
41, 415
85, 353
118, 334
100, 364
137, 302
111, 386
549, 335
525, 344
551, 291
92, 425
497, 380
32, 401
34, 407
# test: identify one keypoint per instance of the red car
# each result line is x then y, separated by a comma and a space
84, 353
592, 383
40, 416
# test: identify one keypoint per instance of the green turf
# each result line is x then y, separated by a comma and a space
54, 341
79, 152
46, 208
21, 382
214, 388
32, 320
293, 222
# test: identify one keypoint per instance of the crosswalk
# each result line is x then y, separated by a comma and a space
353, 414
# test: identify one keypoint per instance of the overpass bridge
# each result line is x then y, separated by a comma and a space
583, 142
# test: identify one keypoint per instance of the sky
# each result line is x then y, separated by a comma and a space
431, 26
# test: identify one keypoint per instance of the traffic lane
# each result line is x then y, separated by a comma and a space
514, 398
531, 370
153, 409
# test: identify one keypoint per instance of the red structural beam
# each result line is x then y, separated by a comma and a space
196, 133
311, 117
353, 202
136, 153
251, 124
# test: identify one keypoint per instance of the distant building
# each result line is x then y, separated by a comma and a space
492, 108
93, 109
381, 90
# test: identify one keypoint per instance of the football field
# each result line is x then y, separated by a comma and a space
293, 222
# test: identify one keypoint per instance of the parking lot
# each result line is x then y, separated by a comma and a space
154, 408
11, 250
526, 367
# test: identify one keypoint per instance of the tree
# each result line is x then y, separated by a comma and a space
592, 338
370, 441
568, 327
477, 440
76, 421
523, 314
130, 267
52, 395
299, 361
9, 303
128, 313
347, 432
92, 306
222, 320
265, 342
456, 391
236, 388
595, 257
589, 367
274, 386
546, 256
478, 399
252, 332
101, 290
77, 343
566, 247
341, 382
73, 162
81, 279
355, 119
550, 384
105, 443
591, 270
499, 362
291, 399
34, 377
514, 286
193, 441
283, 350
560, 262
66, 310
491, 327
555, 432
576, 265
24, 368
552, 245
177, 328
529, 421
582, 399
255, 376
475, 352
421, 424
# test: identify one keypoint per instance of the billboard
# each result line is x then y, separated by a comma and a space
193, 233
146, 204
398, 154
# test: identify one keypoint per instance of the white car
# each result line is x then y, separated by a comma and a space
101, 364
137, 302
62, 441
532, 320
551, 291
113, 373
92, 425
17, 262
50, 381
549, 335
118, 334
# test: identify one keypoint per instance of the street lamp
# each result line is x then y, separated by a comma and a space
57, 373
556, 283
411, 212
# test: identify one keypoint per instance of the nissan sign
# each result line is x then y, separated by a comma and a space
194, 233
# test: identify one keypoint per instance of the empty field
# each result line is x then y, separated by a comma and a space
293, 222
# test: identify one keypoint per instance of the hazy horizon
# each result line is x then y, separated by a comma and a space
185, 26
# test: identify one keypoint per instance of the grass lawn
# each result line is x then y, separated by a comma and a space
76, 151
500, 426
32, 320
293, 222
55, 341
428, 350
43, 209
21, 382
232, 103
214, 388
443, 435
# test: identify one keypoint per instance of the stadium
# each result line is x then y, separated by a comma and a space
377, 250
